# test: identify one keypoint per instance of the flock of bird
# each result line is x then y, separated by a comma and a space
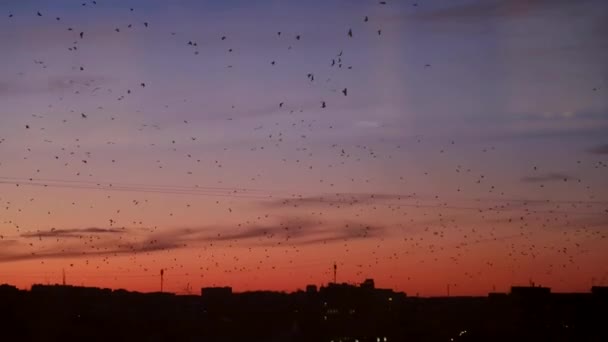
273, 230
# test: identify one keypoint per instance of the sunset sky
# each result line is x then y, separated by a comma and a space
444, 142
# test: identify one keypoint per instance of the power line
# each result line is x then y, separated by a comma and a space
193, 192
252, 193
129, 184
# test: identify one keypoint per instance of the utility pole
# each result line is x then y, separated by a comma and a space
335, 272
63, 276
162, 279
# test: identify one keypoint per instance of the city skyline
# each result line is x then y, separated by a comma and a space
336, 312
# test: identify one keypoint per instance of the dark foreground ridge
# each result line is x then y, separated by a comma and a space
336, 312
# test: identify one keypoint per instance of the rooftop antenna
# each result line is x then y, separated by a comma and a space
162, 279
335, 271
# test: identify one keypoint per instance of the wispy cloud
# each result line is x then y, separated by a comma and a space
77, 252
292, 231
50, 84
490, 9
547, 177
339, 199
601, 149
583, 123
72, 233
8, 243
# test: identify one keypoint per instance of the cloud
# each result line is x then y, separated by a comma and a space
601, 149
354, 232
582, 123
596, 220
489, 9
50, 84
312, 235
472, 10
7, 243
73, 233
78, 252
294, 231
368, 124
291, 231
71, 81
547, 177
338, 199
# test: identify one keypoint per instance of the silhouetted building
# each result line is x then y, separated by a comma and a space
600, 291
217, 299
368, 284
498, 295
6, 289
530, 291
216, 292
